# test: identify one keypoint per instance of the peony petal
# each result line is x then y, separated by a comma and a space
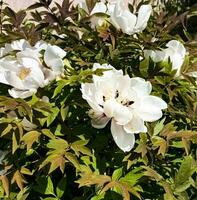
176, 51
110, 70
18, 45
125, 141
177, 46
13, 80
9, 64
122, 18
120, 113
141, 86
177, 62
3, 79
21, 93
88, 93
143, 17
156, 56
41, 45
99, 7
53, 58
99, 119
127, 22
150, 108
29, 53
3, 51
36, 75
136, 125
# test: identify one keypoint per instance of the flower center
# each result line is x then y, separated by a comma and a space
124, 102
24, 72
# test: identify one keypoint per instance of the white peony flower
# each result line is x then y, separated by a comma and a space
175, 51
123, 100
122, 18
25, 72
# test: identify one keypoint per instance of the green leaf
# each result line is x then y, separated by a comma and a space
48, 133
158, 127
98, 197
117, 174
64, 112
144, 66
58, 144
60, 189
23, 194
45, 185
61, 85
152, 173
133, 176
182, 178
73, 159
184, 186
6, 130
79, 146
52, 116
14, 143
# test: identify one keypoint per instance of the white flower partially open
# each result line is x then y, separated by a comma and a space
175, 51
24, 71
99, 7
53, 58
124, 100
129, 23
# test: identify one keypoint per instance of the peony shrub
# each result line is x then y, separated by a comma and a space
98, 101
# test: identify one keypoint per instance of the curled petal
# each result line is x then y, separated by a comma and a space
15, 93
125, 141
150, 108
143, 17
177, 46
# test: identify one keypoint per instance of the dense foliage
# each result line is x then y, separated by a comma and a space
49, 149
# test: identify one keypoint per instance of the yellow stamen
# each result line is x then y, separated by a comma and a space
24, 72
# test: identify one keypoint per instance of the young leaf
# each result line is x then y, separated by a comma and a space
5, 183
31, 137
18, 178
